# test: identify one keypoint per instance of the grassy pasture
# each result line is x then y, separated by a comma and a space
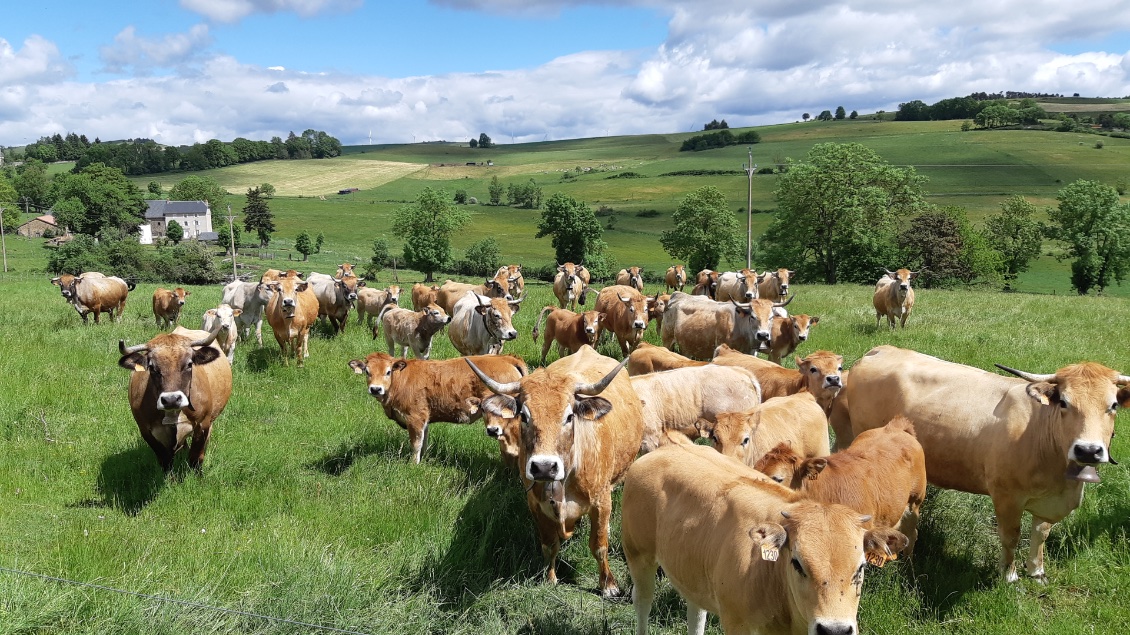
308, 508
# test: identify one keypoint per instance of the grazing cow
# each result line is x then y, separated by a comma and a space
797, 421
1028, 443
335, 297
774, 285
821, 373
656, 305
222, 319
167, 305
739, 286
370, 302
649, 358
882, 474
416, 392
481, 325
893, 297
788, 333
631, 277
674, 401
763, 558
251, 299
698, 325
676, 278
451, 292
344, 270
92, 292
411, 329
293, 309
706, 283
516, 282
625, 311
570, 330
423, 295
581, 429
567, 286
180, 383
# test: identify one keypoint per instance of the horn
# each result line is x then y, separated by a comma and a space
210, 338
130, 350
623, 299
1122, 380
598, 387
520, 299
786, 302
1028, 376
740, 306
889, 272
495, 387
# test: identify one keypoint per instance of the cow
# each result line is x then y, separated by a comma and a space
567, 286
631, 277
788, 333
893, 297
706, 283
222, 319
344, 270
370, 302
505, 428
167, 305
292, 311
423, 295
1027, 443
676, 278
514, 278
774, 285
251, 299
417, 392
181, 382
581, 427
796, 420
656, 305
335, 297
821, 373
274, 275
882, 474
411, 329
674, 401
481, 325
451, 292
625, 311
698, 325
739, 286
92, 292
570, 330
762, 557
649, 358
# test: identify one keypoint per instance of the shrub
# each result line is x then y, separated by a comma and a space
471, 200
626, 175
1099, 144
647, 213
703, 173
767, 170
604, 210
461, 197
481, 259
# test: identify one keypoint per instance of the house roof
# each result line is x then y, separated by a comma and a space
46, 218
208, 236
159, 209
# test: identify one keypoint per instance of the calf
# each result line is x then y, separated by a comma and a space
675, 401
631, 277
370, 302
251, 299
649, 358
676, 278
625, 311
788, 333
796, 420
222, 319
893, 297
570, 330
821, 373
167, 305
413, 329
423, 295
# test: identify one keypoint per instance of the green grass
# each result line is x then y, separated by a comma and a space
308, 508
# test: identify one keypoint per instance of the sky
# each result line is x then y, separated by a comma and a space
185, 71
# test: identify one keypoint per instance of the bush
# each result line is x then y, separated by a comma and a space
767, 170
471, 200
1099, 144
604, 210
481, 259
191, 263
461, 197
647, 213
626, 175
704, 173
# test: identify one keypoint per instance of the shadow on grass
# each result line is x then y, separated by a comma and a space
1108, 517
130, 480
259, 358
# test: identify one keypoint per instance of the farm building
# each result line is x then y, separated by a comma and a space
35, 227
195, 217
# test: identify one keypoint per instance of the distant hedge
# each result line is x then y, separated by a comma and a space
719, 139
626, 175
703, 173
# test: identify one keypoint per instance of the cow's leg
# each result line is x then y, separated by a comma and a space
643, 571
199, 446
599, 517
417, 437
696, 619
545, 345
1008, 527
548, 536
284, 345
259, 332
905, 314
1041, 527
625, 349
161, 447
908, 525
304, 338
97, 316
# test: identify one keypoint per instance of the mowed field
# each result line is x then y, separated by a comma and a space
308, 509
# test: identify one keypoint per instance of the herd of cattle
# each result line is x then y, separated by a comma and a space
767, 512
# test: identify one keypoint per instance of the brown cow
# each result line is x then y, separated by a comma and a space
796, 420
451, 292
657, 304
371, 301
180, 383
739, 286
416, 392
698, 325
763, 558
821, 373
568, 286
570, 330
92, 292
675, 401
167, 305
423, 295
344, 270
517, 283
631, 277
676, 278
625, 311
1027, 443
274, 275
893, 297
706, 283
581, 429
788, 333
649, 358
882, 474
774, 285
411, 329
293, 309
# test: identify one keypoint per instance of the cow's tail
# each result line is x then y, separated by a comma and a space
903, 424
380, 317
541, 316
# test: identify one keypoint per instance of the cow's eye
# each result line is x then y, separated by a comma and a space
799, 569
813, 370
1062, 402
840, 368
745, 441
568, 419
779, 479
188, 365
1114, 407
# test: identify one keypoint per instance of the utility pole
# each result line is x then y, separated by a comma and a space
3, 240
231, 237
750, 168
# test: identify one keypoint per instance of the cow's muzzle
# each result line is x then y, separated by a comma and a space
377, 391
639, 324
832, 380
494, 432
762, 336
545, 468
1088, 453
172, 400
904, 287
834, 628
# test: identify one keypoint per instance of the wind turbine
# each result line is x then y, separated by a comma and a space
370, 136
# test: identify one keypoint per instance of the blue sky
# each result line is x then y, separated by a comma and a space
181, 71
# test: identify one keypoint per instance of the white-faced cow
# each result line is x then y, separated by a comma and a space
739, 286
92, 292
774, 285
222, 320
631, 277
698, 325
567, 286
481, 325
292, 311
370, 302
625, 314
336, 297
676, 278
167, 305
411, 329
251, 299
569, 330
893, 297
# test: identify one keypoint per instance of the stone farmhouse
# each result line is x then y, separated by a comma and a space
194, 217
35, 227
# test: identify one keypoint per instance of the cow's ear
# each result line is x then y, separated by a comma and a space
503, 406
704, 427
236, 312
515, 307
769, 538
814, 320
1124, 397
134, 361
813, 467
880, 546
1044, 392
473, 404
210, 312
591, 408
205, 355
301, 288
801, 364
399, 364
360, 283
359, 367
482, 309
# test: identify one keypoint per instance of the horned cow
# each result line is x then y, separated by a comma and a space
292, 311
167, 305
92, 292
481, 325
739, 286
893, 297
676, 278
625, 311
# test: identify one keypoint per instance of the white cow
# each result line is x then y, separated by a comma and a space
250, 298
223, 317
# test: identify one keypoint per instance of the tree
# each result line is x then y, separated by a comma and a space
460, 197
224, 236
257, 216
303, 244
942, 244
11, 213
840, 113
495, 189
155, 188
31, 181
426, 228
108, 202
705, 231
573, 226
879, 114
174, 232
199, 188
268, 190
805, 116
482, 258
318, 242
1122, 120
474, 143
484, 141
379, 260
838, 212
825, 115
1095, 226
854, 115
1016, 235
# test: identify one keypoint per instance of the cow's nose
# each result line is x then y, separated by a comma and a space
1088, 453
763, 336
784, 289
180, 302
749, 295
802, 338
545, 469
288, 302
639, 324
377, 391
511, 334
833, 380
904, 287
590, 330
834, 628
494, 432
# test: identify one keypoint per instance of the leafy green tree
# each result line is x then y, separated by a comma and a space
806, 116
199, 188
110, 203
942, 243
304, 245
380, 259
1122, 120
825, 115
257, 216
840, 113
174, 232
318, 242
11, 214
461, 197
483, 257
838, 213
426, 228
1095, 226
155, 188
854, 115
495, 189
573, 226
224, 236
484, 141
268, 190
31, 181
1016, 235
705, 231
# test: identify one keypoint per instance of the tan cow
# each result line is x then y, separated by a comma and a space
568, 286
411, 329
581, 429
92, 292
821, 373
763, 558
739, 286
344, 270
698, 325
181, 382
676, 278
796, 420
570, 330
649, 358
222, 319
656, 305
788, 333
336, 297
423, 295
882, 474
451, 292
1027, 443
370, 302
482, 325
774, 285
517, 282
415, 392
167, 306
631, 277
293, 309
274, 275
625, 311
893, 297
675, 401
706, 283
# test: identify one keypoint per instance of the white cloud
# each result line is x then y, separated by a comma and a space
236, 10
37, 62
130, 50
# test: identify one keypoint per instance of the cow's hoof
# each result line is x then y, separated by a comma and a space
610, 592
